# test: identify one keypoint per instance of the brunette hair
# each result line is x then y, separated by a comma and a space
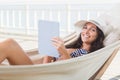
97, 44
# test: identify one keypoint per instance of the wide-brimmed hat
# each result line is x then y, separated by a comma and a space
101, 24
81, 23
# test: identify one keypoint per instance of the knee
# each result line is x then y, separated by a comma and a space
8, 42
5, 45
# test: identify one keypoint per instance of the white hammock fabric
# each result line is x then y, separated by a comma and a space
80, 68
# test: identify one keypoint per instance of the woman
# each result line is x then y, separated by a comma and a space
90, 39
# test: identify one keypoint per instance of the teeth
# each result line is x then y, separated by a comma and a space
86, 36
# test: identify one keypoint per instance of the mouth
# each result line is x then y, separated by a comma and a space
86, 36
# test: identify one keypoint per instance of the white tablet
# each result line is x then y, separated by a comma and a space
46, 31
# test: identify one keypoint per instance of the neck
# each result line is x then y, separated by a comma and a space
86, 46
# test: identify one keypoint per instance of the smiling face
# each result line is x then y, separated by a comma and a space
89, 33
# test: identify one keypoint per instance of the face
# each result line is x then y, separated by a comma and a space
89, 33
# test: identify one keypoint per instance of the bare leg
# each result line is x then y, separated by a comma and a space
10, 49
37, 59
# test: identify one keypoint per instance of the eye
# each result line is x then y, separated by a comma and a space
85, 27
93, 29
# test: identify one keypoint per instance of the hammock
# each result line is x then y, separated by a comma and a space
80, 68
87, 67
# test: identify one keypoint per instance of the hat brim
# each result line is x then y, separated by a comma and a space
79, 25
83, 22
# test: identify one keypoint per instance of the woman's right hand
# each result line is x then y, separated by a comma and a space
59, 45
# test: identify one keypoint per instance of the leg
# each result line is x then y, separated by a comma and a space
10, 50
37, 59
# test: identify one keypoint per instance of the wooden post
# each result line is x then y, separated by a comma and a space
101, 71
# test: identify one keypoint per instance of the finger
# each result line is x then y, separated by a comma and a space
55, 45
56, 41
57, 38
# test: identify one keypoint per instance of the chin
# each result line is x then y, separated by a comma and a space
86, 41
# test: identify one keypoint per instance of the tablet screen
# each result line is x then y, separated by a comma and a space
46, 31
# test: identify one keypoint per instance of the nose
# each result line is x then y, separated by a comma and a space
87, 31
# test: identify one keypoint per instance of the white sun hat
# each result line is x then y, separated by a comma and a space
100, 23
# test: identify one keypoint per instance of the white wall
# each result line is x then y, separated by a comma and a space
58, 1
25, 13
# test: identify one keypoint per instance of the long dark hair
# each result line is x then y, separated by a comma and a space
97, 44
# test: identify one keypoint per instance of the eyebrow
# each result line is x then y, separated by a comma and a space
94, 27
